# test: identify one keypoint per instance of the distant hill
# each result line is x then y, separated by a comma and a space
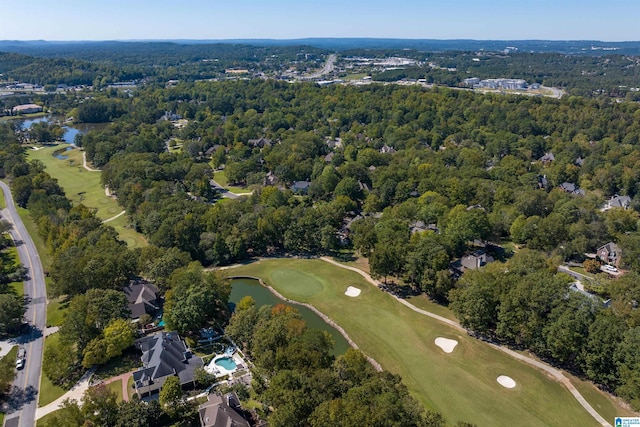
573, 47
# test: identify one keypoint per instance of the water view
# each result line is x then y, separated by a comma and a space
249, 287
71, 129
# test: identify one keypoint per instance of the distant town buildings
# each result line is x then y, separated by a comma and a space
26, 109
510, 84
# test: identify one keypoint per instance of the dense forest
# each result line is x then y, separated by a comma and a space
411, 178
419, 179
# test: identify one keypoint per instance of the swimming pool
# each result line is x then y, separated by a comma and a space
226, 363
161, 323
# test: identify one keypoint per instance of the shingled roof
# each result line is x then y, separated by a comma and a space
165, 354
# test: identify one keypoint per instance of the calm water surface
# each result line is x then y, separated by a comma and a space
248, 287
71, 130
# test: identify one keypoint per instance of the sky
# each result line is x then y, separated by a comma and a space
606, 20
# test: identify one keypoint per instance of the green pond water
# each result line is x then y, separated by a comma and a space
249, 287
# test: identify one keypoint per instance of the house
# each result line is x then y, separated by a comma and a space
610, 253
476, 260
260, 142
222, 411
579, 162
211, 150
164, 354
571, 188
617, 202
578, 287
142, 297
542, 181
329, 157
26, 109
301, 187
387, 150
270, 179
547, 158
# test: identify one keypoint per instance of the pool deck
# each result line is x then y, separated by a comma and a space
220, 371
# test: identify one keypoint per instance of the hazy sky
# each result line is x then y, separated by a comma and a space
609, 20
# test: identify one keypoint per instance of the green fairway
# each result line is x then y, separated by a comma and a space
83, 186
461, 385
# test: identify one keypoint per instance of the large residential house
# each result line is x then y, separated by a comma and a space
301, 187
164, 354
617, 202
610, 253
260, 142
222, 411
571, 188
476, 260
142, 298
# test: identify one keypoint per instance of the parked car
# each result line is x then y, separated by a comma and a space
610, 268
22, 355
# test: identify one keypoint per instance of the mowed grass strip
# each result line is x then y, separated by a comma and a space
461, 385
83, 186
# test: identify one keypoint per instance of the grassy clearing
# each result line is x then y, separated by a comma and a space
357, 76
49, 391
56, 308
3, 204
10, 255
116, 387
461, 385
83, 186
221, 178
22, 117
127, 233
44, 420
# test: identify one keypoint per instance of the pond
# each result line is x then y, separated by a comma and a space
71, 129
249, 287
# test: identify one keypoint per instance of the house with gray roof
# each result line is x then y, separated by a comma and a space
610, 253
222, 411
301, 187
142, 298
164, 354
617, 202
571, 188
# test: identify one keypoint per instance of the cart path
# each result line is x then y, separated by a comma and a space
556, 374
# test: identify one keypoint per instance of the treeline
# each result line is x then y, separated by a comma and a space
525, 303
298, 382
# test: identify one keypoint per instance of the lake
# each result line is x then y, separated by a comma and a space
71, 129
250, 287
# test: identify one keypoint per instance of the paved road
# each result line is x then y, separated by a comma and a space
328, 68
225, 192
23, 399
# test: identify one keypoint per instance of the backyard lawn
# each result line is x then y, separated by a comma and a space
221, 178
83, 186
461, 385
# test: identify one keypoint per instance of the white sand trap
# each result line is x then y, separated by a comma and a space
352, 292
506, 381
446, 344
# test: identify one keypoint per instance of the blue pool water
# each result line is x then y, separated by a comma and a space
161, 323
227, 363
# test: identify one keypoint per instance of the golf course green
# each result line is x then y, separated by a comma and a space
461, 385
83, 186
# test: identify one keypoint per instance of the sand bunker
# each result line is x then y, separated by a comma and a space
506, 381
352, 292
446, 344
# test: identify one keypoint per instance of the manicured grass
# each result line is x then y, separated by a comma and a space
32, 229
127, 233
43, 421
56, 308
81, 185
461, 385
358, 76
130, 390
424, 302
605, 404
221, 178
49, 391
3, 204
116, 387
11, 255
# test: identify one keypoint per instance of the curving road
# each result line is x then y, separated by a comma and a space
556, 374
23, 399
